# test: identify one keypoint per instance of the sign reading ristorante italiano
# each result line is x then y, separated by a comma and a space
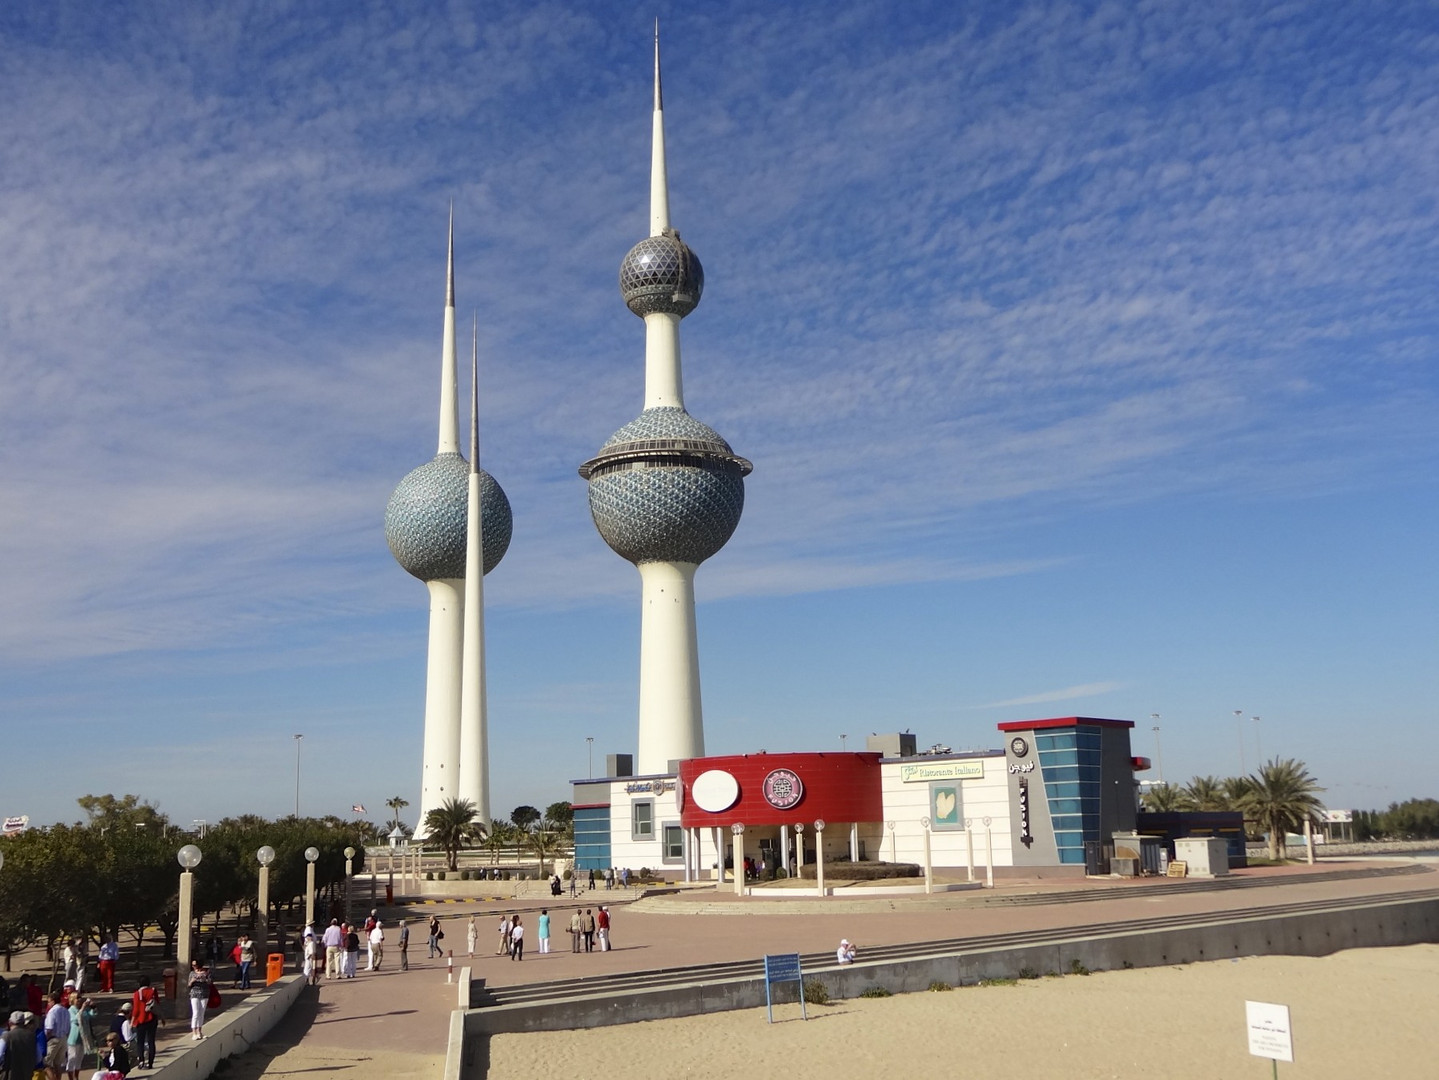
942, 770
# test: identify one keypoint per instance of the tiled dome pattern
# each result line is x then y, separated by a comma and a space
426, 520
661, 273
653, 512
666, 423
666, 488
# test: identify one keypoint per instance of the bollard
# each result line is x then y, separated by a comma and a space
450, 966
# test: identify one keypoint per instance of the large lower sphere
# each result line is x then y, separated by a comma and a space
653, 512
426, 522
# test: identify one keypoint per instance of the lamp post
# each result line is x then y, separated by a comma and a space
349, 880
1158, 753
893, 843
188, 857
298, 739
928, 861
969, 848
841, 742
738, 830
799, 849
311, 854
590, 745
266, 855
819, 853
988, 854
1239, 722
1258, 748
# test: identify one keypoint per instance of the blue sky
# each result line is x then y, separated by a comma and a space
1084, 353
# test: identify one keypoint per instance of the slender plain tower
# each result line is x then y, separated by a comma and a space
666, 492
426, 525
474, 727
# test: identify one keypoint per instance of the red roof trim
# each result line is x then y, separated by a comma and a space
591, 806
1062, 722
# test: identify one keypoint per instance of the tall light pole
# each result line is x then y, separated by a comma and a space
1158, 753
298, 738
1239, 723
841, 743
349, 879
311, 854
188, 857
1258, 748
265, 856
590, 746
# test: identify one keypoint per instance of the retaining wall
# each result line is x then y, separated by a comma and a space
1315, 933
231, 1031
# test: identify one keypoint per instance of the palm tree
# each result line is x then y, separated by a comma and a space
545, 842
1281, 797
397, 804
454, 825
1161, 798
1206, 793
1236, 790
501, 835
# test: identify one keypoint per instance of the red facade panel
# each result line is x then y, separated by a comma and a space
836, 787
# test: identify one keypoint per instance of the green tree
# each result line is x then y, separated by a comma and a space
396, 804
1161, 798
562, 816
524, 816
501, 835
454, 825
1280, 798
1205, 793
545, 843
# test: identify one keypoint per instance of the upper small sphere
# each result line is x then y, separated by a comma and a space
661, 273
426, 522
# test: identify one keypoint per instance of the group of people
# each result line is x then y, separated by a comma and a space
590, 927
341, 944
60, 1040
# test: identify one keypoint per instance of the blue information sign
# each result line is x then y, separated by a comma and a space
782, 967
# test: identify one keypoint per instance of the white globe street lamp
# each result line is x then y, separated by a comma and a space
265, 856
311, 854
188, 857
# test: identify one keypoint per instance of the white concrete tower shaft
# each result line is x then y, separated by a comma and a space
664, 386
440, 774
474, 757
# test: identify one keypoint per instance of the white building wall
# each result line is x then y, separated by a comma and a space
907, 802
627, 849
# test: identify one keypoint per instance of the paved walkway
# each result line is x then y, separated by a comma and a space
361, 1025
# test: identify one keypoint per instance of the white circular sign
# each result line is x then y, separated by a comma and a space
714, 790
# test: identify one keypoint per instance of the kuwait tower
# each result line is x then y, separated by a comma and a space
428, 527
666, 492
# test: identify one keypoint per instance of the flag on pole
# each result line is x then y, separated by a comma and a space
357, 809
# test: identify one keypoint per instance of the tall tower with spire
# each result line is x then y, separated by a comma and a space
666, 492
428, 527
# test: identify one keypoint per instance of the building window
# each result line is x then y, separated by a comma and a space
674, 839
642, 820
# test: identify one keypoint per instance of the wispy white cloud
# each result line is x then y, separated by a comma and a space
1069, 693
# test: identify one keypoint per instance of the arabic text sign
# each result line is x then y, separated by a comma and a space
1269, 1032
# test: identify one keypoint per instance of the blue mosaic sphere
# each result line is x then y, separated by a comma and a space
666, 488
661, 273
426, 523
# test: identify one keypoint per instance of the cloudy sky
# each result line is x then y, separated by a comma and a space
1085, 353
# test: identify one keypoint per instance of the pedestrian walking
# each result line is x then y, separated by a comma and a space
436, 936
543, 931
576, 929
472, 936
199, 984
587, 926
602, 923
377, 946
404, 946
517, 940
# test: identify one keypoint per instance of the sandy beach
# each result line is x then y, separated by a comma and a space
1367, 1011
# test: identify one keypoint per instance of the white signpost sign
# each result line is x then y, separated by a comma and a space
1269, 1032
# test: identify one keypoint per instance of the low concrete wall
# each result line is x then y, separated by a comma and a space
232, 1031
1315, 933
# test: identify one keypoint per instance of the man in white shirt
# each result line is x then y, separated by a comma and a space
57, 1028
109, 954
377, 947
845, 953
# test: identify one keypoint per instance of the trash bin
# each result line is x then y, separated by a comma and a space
274, 967
171, 981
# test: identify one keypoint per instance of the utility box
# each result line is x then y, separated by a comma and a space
1206, 856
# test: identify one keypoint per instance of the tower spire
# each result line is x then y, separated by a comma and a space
659, 183
449, 391
475, 397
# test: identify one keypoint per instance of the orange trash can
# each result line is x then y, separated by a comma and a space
274, 967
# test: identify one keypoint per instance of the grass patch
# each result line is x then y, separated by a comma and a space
998, 982
1076, 968
815, 992
1028, 973
939, 987
876, 992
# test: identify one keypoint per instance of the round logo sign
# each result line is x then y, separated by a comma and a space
782, 789
1018, 747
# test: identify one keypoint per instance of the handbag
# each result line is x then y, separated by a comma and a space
214, 1000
